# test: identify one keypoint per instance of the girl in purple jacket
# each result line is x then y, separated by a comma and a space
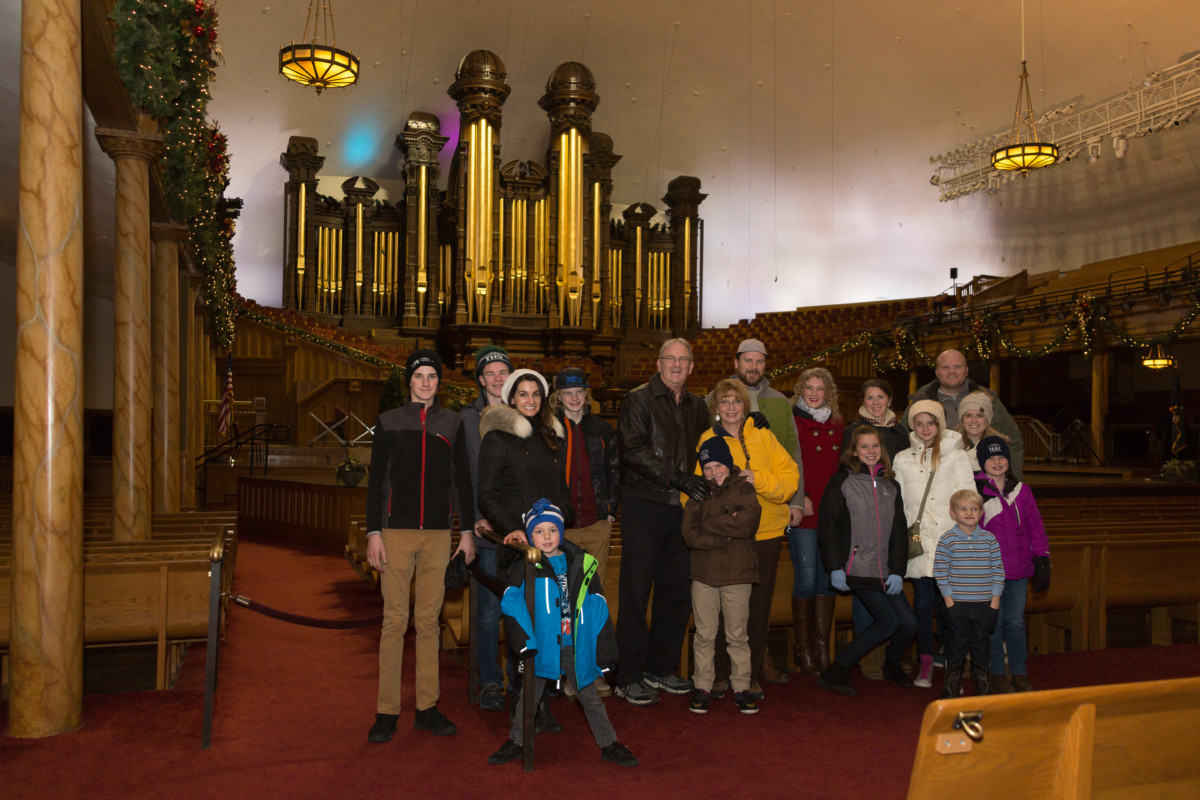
1011, 515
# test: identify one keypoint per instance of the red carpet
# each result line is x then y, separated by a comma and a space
294, 705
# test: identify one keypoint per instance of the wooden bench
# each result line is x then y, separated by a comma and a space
154, 592
1128, 741
1156, 575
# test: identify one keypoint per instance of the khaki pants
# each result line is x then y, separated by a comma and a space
595, 539
425, 554
709, 603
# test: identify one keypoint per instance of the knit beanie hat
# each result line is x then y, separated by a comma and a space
928, 407
715, 449
571, 378
977, 401
991, 446
422, 358
511, 382
543, 511
490, 354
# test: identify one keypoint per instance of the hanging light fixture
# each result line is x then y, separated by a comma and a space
1023, 151
318, 62
1157, 359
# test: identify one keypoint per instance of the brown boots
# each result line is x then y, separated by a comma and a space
802, 620
813, 620
823, 628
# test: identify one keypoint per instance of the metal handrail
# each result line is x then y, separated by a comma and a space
265, 433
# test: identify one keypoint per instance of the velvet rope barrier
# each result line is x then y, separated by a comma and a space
310, 622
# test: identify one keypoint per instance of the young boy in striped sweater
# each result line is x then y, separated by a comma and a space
970, 575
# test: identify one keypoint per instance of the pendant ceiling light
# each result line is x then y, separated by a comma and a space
317, 61
1024, 151
1157, 359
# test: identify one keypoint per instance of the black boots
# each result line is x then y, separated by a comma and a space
953, 683
837, 678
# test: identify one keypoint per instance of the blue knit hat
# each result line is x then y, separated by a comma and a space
543, 511
715, 449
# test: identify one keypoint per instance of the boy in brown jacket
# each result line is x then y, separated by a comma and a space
720, 532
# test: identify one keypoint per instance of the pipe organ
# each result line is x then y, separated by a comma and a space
516, 244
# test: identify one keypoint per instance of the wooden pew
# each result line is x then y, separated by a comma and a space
1064, 608
154, 592
1123, 741
1155, 575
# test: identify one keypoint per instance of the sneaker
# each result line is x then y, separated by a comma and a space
755, 691
719, 689
745, 703
671, 684
638, 694
1021, 683
924, 677
939, 659
895, 673
509, 751
382, 730
432, 720
491, 697
699, 702
618, 754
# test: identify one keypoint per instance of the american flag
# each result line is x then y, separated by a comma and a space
225, 416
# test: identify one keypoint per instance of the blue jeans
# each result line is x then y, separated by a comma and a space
892, 620
1010, 630
486, 634
927, 603
810, 577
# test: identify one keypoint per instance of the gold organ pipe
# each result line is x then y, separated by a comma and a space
422, 223
500, 251
300, 242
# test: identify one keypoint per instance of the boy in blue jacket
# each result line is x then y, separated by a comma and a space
572, 634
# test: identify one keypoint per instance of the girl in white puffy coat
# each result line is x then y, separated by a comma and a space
933, 448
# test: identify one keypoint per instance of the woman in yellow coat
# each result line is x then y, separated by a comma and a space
759, 457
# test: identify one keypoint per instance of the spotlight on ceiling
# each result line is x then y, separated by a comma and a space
1151, 79
1019, 319
1164, 297
1062, 313
1094, 152
993, 185
1120, 145
1127, 305
1044, 316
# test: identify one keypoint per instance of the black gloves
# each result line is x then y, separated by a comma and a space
693, 486
1041, 573
760, 420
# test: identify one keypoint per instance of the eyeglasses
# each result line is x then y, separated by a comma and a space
676, 359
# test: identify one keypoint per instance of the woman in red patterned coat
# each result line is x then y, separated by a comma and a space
819, 427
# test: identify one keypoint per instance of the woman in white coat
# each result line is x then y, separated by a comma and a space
938, 452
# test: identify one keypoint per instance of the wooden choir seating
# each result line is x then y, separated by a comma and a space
1115, 742
145, 592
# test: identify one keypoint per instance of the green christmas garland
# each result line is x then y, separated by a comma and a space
164, 52
908, 351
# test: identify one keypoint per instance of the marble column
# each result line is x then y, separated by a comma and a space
133, 153
46, 618
164, 325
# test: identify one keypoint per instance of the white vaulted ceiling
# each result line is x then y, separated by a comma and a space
810, 125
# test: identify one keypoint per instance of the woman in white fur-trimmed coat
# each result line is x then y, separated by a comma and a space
932, 448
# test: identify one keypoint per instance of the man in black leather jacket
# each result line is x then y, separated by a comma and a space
660, 423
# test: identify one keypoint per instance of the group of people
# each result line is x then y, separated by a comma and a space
707, 490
